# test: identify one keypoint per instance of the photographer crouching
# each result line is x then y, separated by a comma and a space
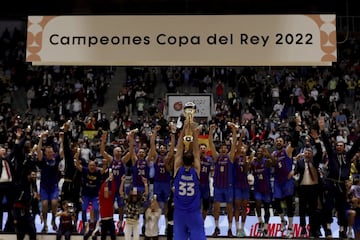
67, 221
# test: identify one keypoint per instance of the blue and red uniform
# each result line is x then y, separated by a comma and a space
262, 180
223, 179
283, 186
241, 184
162, 185
118, 170
205, 168
139, 170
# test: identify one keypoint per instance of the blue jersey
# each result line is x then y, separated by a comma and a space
187, 190
283, 166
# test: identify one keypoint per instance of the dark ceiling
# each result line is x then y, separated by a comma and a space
17, 8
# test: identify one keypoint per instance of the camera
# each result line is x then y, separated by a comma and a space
71, 208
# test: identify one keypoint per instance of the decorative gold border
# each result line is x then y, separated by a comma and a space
327, 28
35, 28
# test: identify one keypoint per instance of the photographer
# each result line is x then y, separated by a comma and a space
67, 219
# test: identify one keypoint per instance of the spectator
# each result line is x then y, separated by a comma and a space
134, 202
107, 193
152, 216
67, 219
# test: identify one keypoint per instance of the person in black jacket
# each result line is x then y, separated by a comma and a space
307, 164
70, 191
23, 217
339, 164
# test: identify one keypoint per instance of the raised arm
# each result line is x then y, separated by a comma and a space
170, 155
77, 160
121, 188
131, 152
234, 143
214, 153
61, 143
39, 147
103, 153
152, 155
146, 185
178, 161
196, 149
295, 137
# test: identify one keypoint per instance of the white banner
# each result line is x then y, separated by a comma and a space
185, 40
176, 103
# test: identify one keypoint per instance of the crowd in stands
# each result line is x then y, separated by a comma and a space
263, 100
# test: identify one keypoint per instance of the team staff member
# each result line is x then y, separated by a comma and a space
24, 193
187, 204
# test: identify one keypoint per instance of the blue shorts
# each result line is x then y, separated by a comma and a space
283, 190
162, 191
241, 194
224, 195
262, 197
192, 228
49, 193
204, 192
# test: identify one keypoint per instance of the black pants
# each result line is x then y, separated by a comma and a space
308, 201
65, 233
24, 224
7, 190
170, 232
107, 229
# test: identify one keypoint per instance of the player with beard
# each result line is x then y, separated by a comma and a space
223, 178
261, 167
284, 183
117, 164
163, 164
241, 185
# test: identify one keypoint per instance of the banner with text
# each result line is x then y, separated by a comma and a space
184, 40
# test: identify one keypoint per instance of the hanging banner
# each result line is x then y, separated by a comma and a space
183, 40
